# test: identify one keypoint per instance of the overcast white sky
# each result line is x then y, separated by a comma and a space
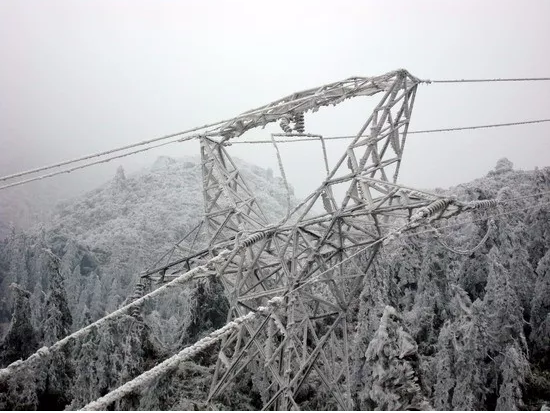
83, 76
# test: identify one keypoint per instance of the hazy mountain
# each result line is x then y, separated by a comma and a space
109, 235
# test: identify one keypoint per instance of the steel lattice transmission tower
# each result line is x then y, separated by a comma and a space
305, 258
308, 263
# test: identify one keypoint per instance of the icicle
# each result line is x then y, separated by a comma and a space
326, 202
374, 155
350, 164
278, 323
360, 190
394, 141
271, 331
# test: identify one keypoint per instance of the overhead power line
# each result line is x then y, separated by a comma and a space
149, 141
416, 233
195, 136
517, 79
86, 165
494, 125
412, 132
119, 149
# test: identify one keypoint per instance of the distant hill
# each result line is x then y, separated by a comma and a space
120, 228
26, 205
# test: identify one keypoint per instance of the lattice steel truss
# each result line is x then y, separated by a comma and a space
308, 263
306, 258
230, 207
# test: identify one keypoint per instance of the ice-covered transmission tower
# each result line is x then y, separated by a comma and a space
305, 258
291, 284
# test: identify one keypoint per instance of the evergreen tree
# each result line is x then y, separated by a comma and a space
392, 382
503, 310
86, 373
514, 257
21, 340
540, 313
377, 293
96, 298
111, 355
71, 278
209, 311
444, 365
58, 319
134, 347
18, 262
85, 317
514, 371
20, 390
430, 300
538, 219
473, 274
541, 345
470, 392
39, 263
57, 325
16, 271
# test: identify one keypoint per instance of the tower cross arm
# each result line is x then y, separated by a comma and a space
311, 100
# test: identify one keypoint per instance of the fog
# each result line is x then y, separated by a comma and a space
79, 77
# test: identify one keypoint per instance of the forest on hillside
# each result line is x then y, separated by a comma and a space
433, 329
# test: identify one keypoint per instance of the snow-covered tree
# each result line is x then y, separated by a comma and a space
471, 368
58, 319
21, 390
379, 291
209, 310
514, 371
86, 386
502, 308
96, 296
17, 271
430, 299
21, 339
134, 346
538, 219
473, 275
69, 263
514, 257
444, 365
503, 165
57, 325
540, 312
392, 382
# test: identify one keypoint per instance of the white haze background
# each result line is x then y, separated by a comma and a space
80, 77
